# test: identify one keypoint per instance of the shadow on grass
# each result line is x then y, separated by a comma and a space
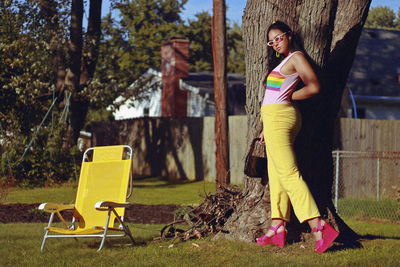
375, 237
165, 182
357, 244
121, 243
345, 246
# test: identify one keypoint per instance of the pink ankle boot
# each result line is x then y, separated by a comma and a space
278, 239
329, 234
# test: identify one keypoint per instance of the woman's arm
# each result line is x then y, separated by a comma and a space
307, 75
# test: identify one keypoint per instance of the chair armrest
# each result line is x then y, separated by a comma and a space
104, 205
54, 207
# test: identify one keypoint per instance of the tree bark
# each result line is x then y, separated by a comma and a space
82, 64
220, 95
92, 42
82, 68
330, 31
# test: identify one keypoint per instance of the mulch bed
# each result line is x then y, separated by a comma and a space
137, 213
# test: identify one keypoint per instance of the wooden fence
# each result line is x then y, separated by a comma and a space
185, 149
367, 160
367, 135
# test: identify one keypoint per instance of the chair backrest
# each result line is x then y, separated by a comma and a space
105, 178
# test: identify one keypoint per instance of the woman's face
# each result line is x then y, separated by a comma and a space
279, 41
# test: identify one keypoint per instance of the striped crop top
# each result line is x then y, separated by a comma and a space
279, 86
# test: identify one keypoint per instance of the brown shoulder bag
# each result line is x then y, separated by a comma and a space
255, 166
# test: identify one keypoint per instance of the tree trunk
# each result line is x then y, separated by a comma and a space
220, 88
330, 31
82, 68
92, 42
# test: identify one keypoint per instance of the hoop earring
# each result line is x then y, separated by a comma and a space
277, 54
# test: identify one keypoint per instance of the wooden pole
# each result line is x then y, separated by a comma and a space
220, 93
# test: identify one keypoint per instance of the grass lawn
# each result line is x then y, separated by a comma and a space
387, 209
20, 246
145, 191
20, 243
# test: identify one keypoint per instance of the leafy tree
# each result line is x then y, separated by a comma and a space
236, 63
24, 65
34, 47
381, 17
133, 44
198, 32
130, 45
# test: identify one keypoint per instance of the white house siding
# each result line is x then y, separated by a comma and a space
150, 104
199, 106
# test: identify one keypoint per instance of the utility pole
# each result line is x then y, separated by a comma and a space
220, 93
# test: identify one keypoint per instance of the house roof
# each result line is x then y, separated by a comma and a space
376, 65
202, 83
198, 82
204, 80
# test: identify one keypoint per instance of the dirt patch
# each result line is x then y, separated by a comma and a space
137, 213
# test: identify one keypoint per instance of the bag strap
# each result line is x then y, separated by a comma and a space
252, 145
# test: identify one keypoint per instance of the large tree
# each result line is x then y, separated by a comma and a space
330, 31
83, 58
42, 59
235, 60
74, 65
198, 32
132, 42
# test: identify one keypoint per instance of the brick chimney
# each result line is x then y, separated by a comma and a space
174, 66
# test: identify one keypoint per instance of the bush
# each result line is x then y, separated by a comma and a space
44, 163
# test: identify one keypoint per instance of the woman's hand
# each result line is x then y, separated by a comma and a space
261, 136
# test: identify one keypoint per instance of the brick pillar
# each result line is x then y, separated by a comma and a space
174, 66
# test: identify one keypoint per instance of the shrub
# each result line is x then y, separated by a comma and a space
44, 163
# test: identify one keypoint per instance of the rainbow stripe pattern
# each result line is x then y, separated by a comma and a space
275, 81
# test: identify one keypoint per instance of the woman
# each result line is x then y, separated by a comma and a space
281, 124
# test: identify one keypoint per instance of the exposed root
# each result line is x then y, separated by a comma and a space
207, 218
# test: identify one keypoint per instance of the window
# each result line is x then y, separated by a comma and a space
145, 112
360, 113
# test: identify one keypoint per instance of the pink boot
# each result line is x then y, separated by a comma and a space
278, 239
329, 234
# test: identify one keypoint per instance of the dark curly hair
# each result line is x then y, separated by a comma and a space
294, 43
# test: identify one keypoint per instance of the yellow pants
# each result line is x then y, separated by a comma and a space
281, 124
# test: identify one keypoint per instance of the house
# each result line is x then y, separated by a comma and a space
373, 86
173, 91
372, 90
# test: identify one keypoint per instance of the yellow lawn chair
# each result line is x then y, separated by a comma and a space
100, 199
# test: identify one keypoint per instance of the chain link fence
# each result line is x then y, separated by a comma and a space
367, 184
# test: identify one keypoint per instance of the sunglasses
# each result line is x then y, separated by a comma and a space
277, 39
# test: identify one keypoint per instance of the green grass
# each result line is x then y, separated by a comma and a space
145, 191
20, 243
20, 246
159, 191
370, 209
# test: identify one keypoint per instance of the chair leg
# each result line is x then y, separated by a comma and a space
124, 227
44, 241
128, 232
105, 231
47, 231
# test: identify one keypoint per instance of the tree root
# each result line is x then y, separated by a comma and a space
207, 218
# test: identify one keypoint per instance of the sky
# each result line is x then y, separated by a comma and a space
235, 8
